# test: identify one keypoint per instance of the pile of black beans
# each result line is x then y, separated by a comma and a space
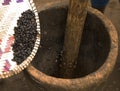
25, 36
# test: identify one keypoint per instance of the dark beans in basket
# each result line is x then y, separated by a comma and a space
25, 36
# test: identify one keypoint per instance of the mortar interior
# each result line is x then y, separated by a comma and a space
94, 48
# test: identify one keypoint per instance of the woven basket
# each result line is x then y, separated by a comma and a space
26, 62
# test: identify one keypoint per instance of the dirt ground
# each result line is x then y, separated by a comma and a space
22, 83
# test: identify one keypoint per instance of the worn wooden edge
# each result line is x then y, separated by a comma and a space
43, 6
26, 62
